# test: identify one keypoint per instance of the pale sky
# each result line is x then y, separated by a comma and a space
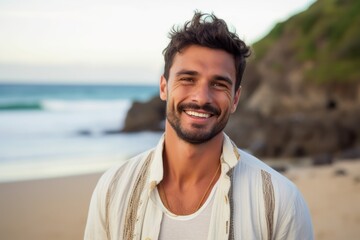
113, 41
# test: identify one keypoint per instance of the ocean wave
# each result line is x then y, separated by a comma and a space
65, 105
13, 106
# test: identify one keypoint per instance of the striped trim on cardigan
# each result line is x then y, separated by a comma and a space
269, 200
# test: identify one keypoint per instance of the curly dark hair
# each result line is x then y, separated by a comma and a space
208, 31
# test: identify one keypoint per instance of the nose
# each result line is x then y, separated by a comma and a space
202, 94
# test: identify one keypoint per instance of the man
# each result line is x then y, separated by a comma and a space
196, 184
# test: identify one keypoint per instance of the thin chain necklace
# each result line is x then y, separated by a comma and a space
202, 198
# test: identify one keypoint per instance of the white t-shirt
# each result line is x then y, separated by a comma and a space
186, 227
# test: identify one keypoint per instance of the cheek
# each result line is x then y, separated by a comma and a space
177, 95
226, 100
173, 100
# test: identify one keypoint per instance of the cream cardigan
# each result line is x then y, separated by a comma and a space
252, 201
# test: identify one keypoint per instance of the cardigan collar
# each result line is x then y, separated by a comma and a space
229, 158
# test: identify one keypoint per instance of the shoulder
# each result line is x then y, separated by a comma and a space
261, 178
124, 172
107, 206
251, 167
254, 178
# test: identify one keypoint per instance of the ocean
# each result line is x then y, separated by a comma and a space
58, 130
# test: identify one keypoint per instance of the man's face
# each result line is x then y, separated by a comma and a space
200, 93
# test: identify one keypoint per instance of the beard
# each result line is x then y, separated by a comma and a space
198, 133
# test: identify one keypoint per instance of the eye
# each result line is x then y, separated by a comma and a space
187, 80
219, 85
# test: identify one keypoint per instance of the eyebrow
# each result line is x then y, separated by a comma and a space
187, 72
216, 77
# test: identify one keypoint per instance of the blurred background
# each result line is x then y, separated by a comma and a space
70, 71
79, 94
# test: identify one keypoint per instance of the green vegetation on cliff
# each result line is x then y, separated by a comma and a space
327, 35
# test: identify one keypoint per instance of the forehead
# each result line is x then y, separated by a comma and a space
204, 60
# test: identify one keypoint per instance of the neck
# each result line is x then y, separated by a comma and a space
190, 172
187, 163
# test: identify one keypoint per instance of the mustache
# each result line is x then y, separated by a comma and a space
193, 106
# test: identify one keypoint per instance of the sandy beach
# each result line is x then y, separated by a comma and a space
57, 208
333, 196
45, 209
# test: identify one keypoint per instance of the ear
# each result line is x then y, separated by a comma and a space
236, 100
163, 88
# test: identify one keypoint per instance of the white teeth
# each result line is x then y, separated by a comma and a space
197, 114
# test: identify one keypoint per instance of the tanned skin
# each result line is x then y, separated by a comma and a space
199, 76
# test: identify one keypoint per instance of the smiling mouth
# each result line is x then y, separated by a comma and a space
198, 114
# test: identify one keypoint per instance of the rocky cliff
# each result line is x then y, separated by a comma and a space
311, 61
